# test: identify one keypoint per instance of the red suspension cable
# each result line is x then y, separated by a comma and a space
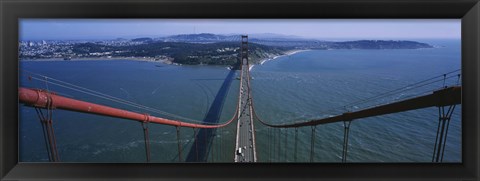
44, 99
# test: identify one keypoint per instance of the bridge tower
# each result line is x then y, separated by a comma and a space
245, 141
244, 50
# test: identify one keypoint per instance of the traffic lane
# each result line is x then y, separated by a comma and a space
239, 140
245, 137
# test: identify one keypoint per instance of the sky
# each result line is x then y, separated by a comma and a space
97, 29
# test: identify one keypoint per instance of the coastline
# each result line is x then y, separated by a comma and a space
287, 53
145, 59
100, 59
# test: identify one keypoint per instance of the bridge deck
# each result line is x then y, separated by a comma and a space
245, 129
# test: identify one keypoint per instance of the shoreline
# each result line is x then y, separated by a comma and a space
99, 59
168, 62
287, 53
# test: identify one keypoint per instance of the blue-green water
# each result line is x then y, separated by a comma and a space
303, 86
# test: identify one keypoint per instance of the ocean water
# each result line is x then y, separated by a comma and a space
187, 91
317, 84
299, 87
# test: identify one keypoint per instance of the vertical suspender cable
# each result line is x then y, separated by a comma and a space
220, 137
271, 153
440, 140
270, 144
274, 143
214, 135
48, 124
51, 131
179, 144
438, 131
205, 143
296, 140
285, 146
45, 133
346, 125
146, 139
312, 144
196, 143
280, 134
54, 139
449, 116
49, 134
222, 148
278, 145
442, 132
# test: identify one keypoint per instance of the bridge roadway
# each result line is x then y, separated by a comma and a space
245, 130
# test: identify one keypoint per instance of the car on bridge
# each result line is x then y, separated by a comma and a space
239, 151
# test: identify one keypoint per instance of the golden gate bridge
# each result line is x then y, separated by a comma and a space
245, 150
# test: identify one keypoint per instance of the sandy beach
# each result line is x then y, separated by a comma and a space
291, 52
287, 53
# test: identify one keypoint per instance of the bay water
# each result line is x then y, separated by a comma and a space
299, 87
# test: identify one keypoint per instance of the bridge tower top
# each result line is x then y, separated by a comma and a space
244, 50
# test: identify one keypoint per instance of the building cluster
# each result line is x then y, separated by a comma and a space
65, 49
227, 49
44, 49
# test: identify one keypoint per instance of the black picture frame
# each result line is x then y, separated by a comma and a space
467, 10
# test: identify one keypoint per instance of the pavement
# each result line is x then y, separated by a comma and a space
245, 128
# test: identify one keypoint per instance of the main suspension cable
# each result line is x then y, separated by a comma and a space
112, 98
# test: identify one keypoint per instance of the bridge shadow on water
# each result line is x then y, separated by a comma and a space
204, 138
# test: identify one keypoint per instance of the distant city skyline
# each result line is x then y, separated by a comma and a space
328, 29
